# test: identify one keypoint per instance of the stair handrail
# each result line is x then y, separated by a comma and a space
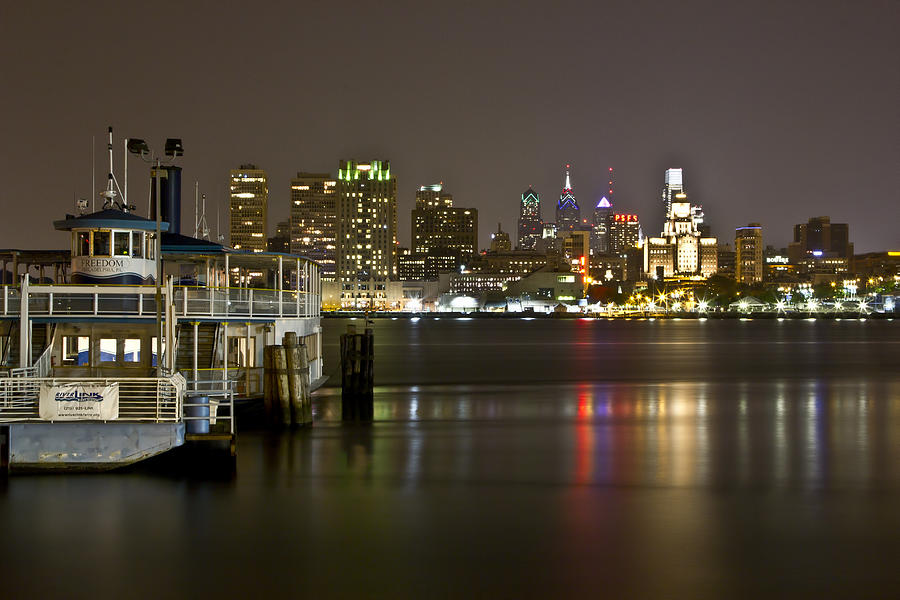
8, 346
42, 364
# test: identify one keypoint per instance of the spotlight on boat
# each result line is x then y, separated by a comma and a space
174, 147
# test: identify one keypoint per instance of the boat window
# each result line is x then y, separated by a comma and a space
108, 350
120, 243
76, 350
137, 244
151, 246
132, 350
237, 352
101, 243
83, 243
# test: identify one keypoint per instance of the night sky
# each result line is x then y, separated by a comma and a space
777, 111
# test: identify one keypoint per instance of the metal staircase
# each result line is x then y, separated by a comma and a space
41, 334
207, 333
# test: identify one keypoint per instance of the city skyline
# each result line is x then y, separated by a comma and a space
760, 128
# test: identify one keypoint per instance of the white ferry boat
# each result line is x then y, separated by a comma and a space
85, 382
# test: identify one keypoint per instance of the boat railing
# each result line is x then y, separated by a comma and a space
140, 301
140, 399
217, 395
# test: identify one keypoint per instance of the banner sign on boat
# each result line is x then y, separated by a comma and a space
79, 402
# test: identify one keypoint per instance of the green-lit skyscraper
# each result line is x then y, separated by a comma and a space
366, 221
531, 225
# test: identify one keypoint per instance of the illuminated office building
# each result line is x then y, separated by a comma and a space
600, 235
366, 221
568, 215
314, 199
681, 250
248, 206
748, 253
530, 222
439, 226
624, 233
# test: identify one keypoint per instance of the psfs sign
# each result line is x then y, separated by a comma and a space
79, 402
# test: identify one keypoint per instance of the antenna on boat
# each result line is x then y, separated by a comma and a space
111, 184
201, 229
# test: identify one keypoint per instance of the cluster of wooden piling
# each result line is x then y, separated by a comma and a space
357, 374
286, 384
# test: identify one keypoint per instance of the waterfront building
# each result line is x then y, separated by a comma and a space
681, 250
513, 263
568, 215
600, 236
884, 264
281, 241
530, 222
249, 199
500, 241
778, 267
624, 233
366, 221
748, 247
550, 283
314, 219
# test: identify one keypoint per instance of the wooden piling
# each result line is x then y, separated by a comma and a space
282, 385
295, 379
268, 385
357, 375
306, 404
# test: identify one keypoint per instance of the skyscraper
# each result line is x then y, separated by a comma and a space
748, 259
249, 191
568, 215
443, 235
530, 222
624, 233
366, 221
433, 196
674, 185
600, 234
314, 219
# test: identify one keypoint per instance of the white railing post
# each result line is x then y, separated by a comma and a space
196, 329
297, 275
280, 285
224, 354
184, 291
24, 326
140, 304
250, 302
5, 299
96, 303
50, 303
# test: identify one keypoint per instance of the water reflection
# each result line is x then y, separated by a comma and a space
811, 434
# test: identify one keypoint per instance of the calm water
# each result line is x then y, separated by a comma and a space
521, 458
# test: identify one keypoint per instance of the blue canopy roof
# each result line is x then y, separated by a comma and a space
107, 218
